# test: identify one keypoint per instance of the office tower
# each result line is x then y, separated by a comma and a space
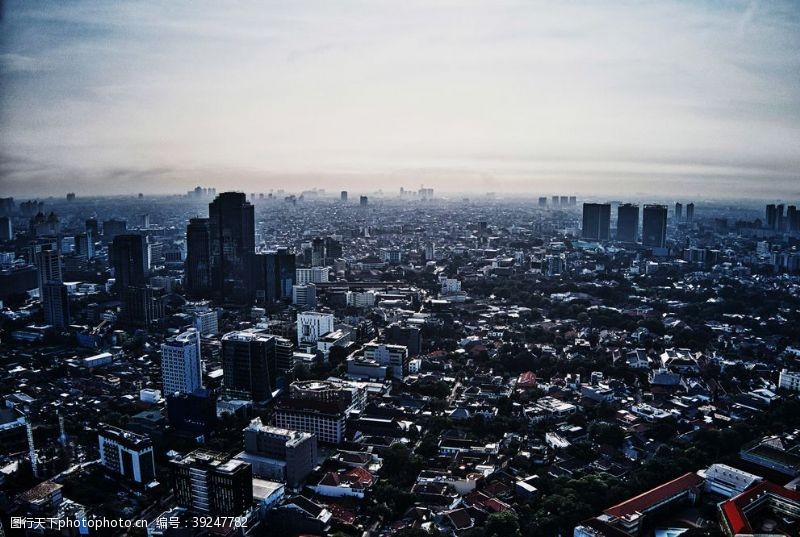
6, 229
250, 364
792, 218
333, 250
181, 369
312, 275
772, 216
430, 252
91, 225
125, 453
274, 275
393, 357
573, 200
143, 305
55, 302
206, 322
304, 295
596, 221
144, 221
198, 258
84, 245
129, 259
114, 227
320, 408
678, 211
542, 202
654, 226
279, 454
407, 336
563, 201
779, 221
690, 212
317, 252
554, 201
343, 195
312, 325
6, 205
363, 201
232, 227
48, 265
212, 484
628, 222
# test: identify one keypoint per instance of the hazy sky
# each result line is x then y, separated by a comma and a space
684, 97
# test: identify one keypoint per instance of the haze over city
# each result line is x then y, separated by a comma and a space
104, 97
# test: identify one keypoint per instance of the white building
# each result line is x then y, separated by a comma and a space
207, 323
360, 299
312, 275
312, 325
450, 286
181, 369
727, 480
789, 380
127, 454
395, 357
304, 295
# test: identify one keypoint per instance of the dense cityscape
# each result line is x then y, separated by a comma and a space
407, 364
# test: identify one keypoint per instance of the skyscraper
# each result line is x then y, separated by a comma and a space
363, 201
48, 264
317, 252
55, 302
232, 231
181, 368
333, 250
274, 275
654, 226
596, 221
6, 229
212, 483
198, 257
690, 212
84, 244
542, 202
793, 222
250, 364
678, 211
628, 222
343, 195
129, 259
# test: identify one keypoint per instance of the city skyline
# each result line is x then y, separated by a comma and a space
700, 98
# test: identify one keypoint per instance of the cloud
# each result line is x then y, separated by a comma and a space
155, 93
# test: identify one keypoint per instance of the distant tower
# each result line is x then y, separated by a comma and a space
542, 201
596, 221
363, 201
690, 212
654, 226
343, 196
232, 229
198, 257
628, 223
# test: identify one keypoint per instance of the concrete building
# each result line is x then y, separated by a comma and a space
279, 454
125, 453
312, 325
181, 368
211, 483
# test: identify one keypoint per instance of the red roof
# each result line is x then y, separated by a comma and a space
527, 380
733, 509
642, 502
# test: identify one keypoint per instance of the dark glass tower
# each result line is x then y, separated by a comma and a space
250, 365
628, 223
274, 275
129, 258
198, 257
596, 221
654, 226
232, 232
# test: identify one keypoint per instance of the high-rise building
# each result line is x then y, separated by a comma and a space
304, 295
563, 201
274, 275
408, 336
312, 325
780, 221
212, 484
84, 245
363, 201
320, 408
232, 228
250, 364
596, 221
181, 368
125, 453
129, 259
279, 454
628, 223
542, 201
654, 226
573, 200
678, 211
198, 257
312, 275
554, 201
317, 252
143, 305
6, 229
48, 265
343, 195
792, 218
333, 250
690, 212
55, 302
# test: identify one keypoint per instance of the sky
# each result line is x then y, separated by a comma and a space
665, 97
